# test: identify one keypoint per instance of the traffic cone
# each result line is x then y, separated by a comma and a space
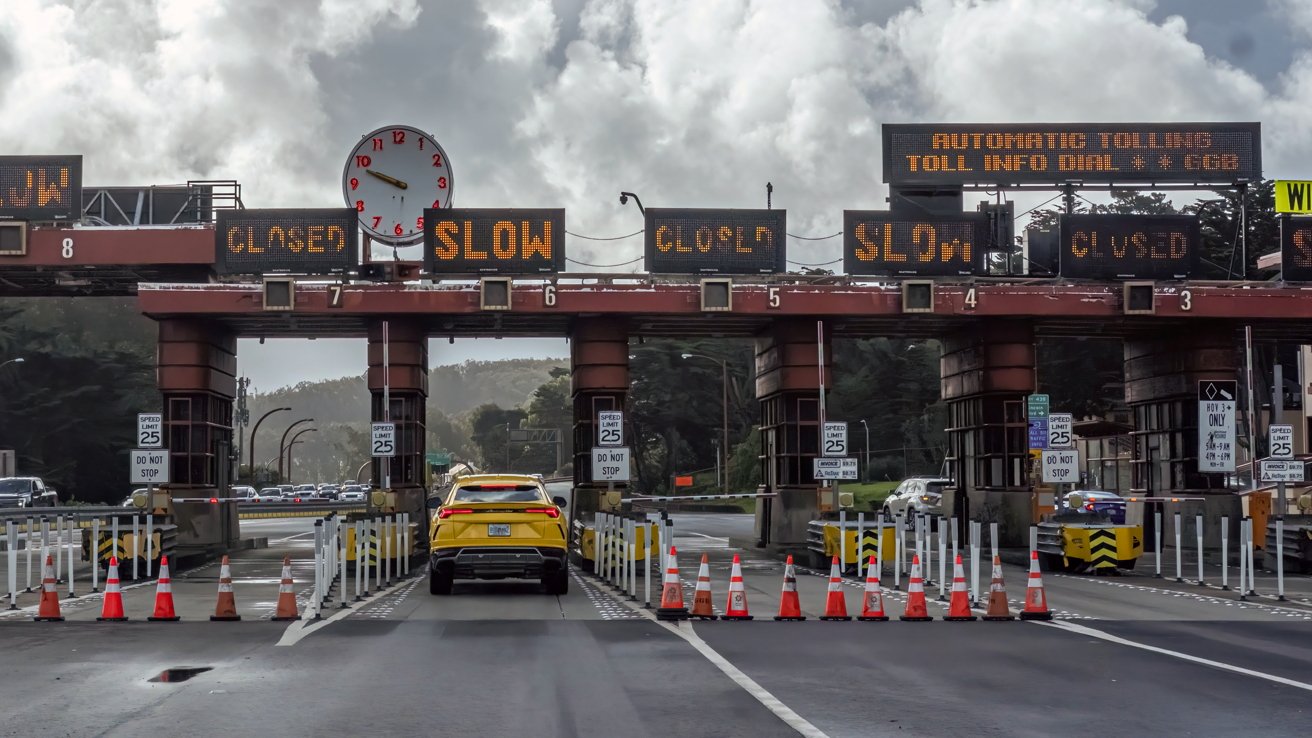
915, 609
226, 608
286, 596
959, 605
998, 609
789, 607
872, 605
112, 608
736, 609
701, 598
164, 595
835, 601
1036, 602
49, 608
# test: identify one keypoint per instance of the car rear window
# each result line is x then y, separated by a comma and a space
935, 488
498, 493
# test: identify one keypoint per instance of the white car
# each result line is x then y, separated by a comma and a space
917, 495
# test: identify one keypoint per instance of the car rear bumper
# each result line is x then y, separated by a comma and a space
499, 562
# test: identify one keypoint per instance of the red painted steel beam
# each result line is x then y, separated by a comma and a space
121, 247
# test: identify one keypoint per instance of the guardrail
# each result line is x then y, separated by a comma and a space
297, 509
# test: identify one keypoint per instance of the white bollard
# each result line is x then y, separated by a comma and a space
318, 567
1243, 555
1280, 558
361, 586
341, 537
11, 533
929, 548
1157, 541
942, 559
406, 540
1034, 540
897, 551
976, 529
113, 546
27, 539
150, 544
920, 545
59, 547
993, 542
842, 541
136, 546
1179, 548
1225, 552
95, 554
73, 544
860, 540
647, 529
1198, 530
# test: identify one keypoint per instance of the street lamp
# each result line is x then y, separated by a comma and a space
299, 433
724, 411
282, 445
866, 425
251, 463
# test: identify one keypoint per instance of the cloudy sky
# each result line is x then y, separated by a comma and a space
543, 103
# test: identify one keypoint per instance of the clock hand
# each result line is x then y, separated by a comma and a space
387, 178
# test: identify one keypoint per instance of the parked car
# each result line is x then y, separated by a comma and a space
1096, 501
26, 492
917, 495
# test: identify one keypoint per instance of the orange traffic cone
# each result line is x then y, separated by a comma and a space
835, 601
226, 608
915, 610
672, 607
49, 608
112, 608
286, 596
164, 595
998, 609
736, 609
789, 607
959, 604
701, 598
872, 605
1036, 602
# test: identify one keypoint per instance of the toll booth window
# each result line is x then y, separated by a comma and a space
491, 493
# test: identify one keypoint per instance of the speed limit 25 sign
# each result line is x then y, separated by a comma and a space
610, 428
150, 430
382, 439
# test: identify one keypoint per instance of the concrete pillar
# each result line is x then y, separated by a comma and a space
407, 382
599, 379
196, 366
788, 371
986, 372
1162, 372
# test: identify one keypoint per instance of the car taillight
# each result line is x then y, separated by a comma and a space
297, 499
447, 512
1089, 506
550, 512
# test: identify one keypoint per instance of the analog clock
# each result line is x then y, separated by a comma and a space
391, 176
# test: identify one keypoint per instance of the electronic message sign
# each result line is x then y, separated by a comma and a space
494, 240
286, 241
709, 241
40, 187
1296, 249
1041, 153
1114, 246
879, 242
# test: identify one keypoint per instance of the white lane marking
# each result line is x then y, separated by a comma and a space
1092, 633
685, 631
292, 538
302, 628
682, 533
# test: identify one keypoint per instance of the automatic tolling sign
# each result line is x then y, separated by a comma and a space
709, 241
286, 241
1043, 153
40, 187
1128, 246
494, 240
877, 242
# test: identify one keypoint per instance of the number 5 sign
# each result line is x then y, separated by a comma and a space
383, 439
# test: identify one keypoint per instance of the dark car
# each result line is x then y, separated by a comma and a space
26, 492
1096, 501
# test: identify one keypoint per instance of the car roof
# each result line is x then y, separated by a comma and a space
473, 479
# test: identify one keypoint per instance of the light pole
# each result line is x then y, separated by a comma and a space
724, 411
866, 425
250, 464
293, 442
282, 444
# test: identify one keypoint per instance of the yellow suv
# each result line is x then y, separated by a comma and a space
498, 526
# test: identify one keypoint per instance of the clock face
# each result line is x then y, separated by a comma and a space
391, 176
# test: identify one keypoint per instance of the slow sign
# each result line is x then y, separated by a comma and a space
1113, 246
707, 241
877, 242
494, 241
290, 241
40, 187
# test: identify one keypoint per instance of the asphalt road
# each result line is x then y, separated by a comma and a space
1126, 655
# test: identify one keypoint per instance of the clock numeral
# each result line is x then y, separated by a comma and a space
397, 230
421, 143
398, 137
419, 223
359, 205
378, 144
437, 160
355, 184
362, 160
441, 183
377, 219
437, 204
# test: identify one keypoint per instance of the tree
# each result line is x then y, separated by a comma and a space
489, 425
1221, 218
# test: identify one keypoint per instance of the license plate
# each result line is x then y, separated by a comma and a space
498, 529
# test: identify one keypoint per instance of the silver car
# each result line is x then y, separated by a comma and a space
917, 495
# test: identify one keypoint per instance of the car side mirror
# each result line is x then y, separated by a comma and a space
559, 501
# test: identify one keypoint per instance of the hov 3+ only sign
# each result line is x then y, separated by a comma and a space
149, 466
1216, 425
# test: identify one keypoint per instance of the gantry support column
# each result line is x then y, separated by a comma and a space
599, 379
196, 367
788, 371
986, 372
1162, 373
407, 391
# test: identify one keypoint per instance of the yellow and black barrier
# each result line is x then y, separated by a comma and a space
585, 544
1098, 547
823, 541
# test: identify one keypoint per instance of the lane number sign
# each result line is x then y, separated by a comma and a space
610, 428
383, 439
150, 430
